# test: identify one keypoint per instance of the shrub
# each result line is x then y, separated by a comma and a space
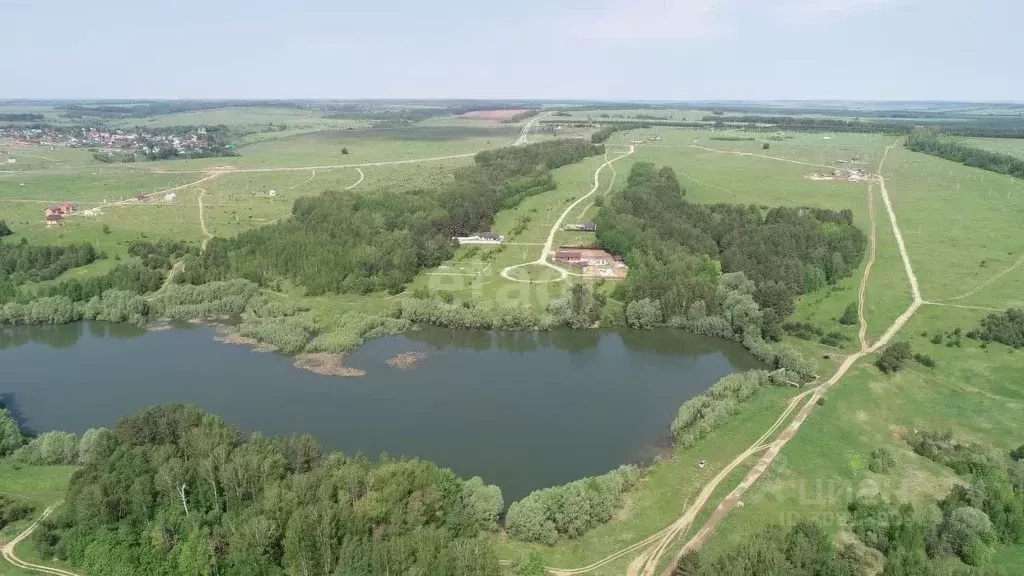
643, 314
484, 502
50, 449
893, 357
10, 435
882, 461
834, 339
702, 414
1018, 454
12, 510
569, 510
803, 330
850, 316
925, 360
937, 339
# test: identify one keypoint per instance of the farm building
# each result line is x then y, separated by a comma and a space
170, 197
12, 160
54, 220
569, 257
92, 212
142, 198
485, 238
593, 263
585, 227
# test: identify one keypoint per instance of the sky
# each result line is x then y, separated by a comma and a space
537, 49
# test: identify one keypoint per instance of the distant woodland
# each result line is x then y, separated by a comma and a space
677, 249
361, 243
933, 142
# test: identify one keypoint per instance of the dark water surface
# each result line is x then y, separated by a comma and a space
521, 410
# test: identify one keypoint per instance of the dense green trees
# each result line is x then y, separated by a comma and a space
377, 241
173, 490
52, 448
851, 316
932, 142
12, 510
704, 413
5, 230
805, 549
893, 357
10, 434
1006, 328
676, 249
569, 510
23, 262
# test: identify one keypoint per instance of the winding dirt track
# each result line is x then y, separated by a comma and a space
862, 294
8, 550
653, 548
542, 260
202, 220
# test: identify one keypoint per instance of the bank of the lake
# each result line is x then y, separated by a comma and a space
522, 410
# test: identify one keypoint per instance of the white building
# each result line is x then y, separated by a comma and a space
272, 193
170, 197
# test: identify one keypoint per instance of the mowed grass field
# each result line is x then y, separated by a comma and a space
973, 391
40, 486
1011, 146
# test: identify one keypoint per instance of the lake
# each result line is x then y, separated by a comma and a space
521, 410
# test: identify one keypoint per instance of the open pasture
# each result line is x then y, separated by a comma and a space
1010, 146
961, 226
240, 117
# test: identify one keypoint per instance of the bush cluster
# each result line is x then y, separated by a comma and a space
569, 510
702, 414
893, 357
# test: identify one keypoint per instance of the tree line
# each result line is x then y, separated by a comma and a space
1000, 127
21, 262
677, 250
932, 142
173, 490
955, 536
21, 117
378, 241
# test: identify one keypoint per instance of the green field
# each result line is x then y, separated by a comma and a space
959, 224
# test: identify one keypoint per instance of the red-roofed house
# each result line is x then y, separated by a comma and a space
569, 257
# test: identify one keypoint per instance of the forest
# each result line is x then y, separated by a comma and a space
932, 142
22, 262
677, 249
998, 127
176, 491
362, 243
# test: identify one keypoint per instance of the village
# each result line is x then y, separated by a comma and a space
57, 214
120, 145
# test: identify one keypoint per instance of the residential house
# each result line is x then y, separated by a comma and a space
54, 220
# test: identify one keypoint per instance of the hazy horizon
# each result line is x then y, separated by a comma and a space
598, 50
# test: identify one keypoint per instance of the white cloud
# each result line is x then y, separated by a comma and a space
649, 20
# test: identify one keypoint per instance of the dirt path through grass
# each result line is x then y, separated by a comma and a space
8, 550
655, 546
542, 260
862, 295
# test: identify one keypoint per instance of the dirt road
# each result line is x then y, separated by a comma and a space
8, 550
202, 220
546, 251
524, 136
654, 547
774, 448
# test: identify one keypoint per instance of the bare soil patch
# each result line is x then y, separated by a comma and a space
498, 115
407, 360
327, 364
228, 336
